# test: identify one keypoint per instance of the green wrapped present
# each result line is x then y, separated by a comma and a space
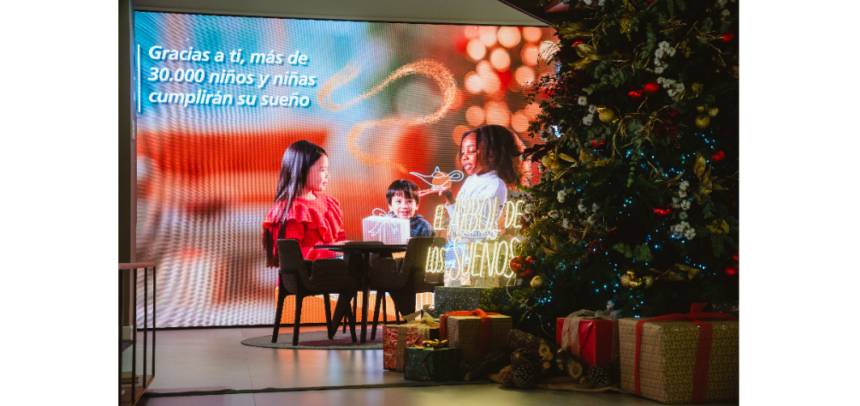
450, 299
428, 364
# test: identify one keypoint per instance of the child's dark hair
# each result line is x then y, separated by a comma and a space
298, 158
500, 151
405, 188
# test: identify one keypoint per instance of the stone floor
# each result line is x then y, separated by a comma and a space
214, 359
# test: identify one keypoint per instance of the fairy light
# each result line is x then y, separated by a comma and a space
439, 218
425, 67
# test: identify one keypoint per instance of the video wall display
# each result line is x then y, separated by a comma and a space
220, 99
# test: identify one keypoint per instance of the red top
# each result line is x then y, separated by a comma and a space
312, 222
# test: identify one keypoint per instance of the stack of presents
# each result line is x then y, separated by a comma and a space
673, 359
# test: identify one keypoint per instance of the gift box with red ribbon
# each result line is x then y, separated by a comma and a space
593, 340
397, 338
476, 333
681, 358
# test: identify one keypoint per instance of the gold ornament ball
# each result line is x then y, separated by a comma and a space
625, 281
713, 112
606, 115
648, 280
701, 109
547, 160
703, 121
537, 282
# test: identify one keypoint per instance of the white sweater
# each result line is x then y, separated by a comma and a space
479, 187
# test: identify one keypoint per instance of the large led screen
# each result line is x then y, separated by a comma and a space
220, 99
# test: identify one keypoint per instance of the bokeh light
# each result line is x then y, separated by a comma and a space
509, 37
532, 34
520, 122
490, 83
470, 31
524, 75
500, 59
488, 35
459, 130
475, 116
531, 110
473, 83
484, 68
529, 54
476, 49
498, 113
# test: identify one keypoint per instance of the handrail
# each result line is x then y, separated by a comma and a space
136, 265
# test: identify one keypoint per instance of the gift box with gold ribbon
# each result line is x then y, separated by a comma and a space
681, 358
396, 338
476, 333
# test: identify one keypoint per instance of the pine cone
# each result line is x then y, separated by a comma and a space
524, 375
523, 356
506, 375
598, 377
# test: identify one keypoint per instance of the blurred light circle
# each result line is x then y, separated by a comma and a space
488, 35
531, 110
500, 59
484, 68
497, 113
459, 130
490, 83
474, 116
520, 122
532, 34
470, 31
509, 37
476, 49
529, 55
524, 75
473, 83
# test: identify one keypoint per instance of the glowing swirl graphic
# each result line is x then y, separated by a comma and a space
425, 67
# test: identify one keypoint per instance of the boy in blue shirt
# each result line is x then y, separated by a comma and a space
403, 201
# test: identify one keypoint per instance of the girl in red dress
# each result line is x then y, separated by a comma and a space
301, 208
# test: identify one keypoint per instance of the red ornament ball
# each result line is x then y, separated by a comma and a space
527, 274
731, 271
728, 36
517, 264
719, 156
531, 260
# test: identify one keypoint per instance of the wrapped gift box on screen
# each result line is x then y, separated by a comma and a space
381, 227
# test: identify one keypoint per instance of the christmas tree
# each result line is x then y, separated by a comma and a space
638, 195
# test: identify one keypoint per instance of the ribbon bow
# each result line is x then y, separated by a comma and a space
703, 350
486, 327
433, 344
422, 318
384, 219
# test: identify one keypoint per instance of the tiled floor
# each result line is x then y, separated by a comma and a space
214, 359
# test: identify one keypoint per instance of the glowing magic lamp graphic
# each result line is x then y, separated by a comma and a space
439, 180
